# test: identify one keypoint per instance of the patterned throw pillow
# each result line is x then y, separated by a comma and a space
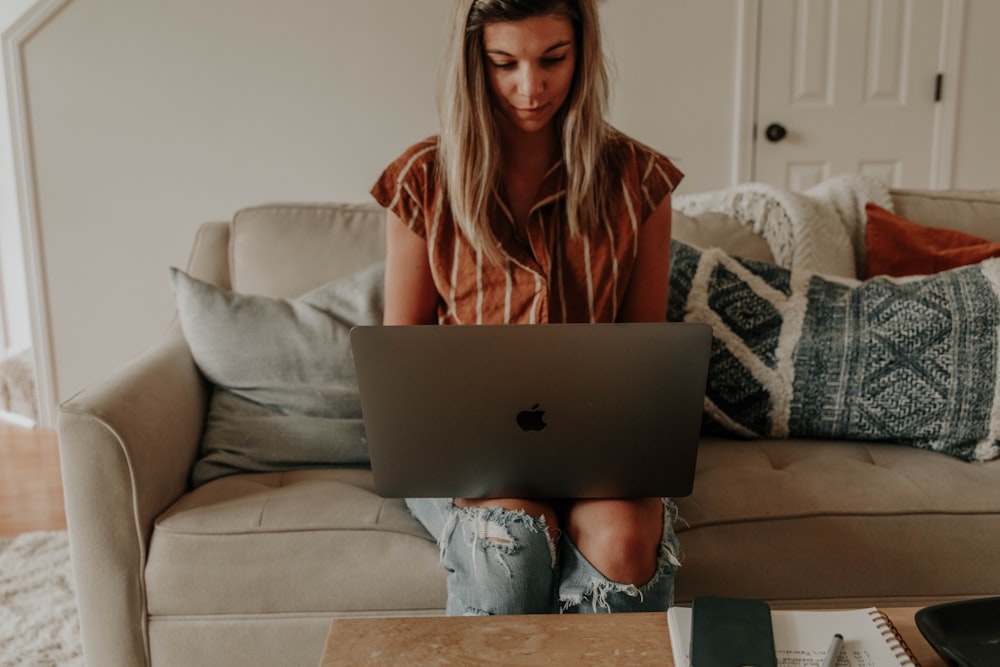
797, 354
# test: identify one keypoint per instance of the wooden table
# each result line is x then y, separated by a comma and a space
602, 639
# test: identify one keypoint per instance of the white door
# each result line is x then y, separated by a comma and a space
847, 86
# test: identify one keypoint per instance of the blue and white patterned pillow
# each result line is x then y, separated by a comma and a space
797, 354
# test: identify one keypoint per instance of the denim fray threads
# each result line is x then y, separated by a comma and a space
501, 561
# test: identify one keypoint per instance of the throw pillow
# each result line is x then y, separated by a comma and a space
285, 394
896, 246
796, 354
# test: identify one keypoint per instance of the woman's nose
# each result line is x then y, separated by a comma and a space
531, 83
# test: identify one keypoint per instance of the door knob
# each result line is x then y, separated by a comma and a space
775, 132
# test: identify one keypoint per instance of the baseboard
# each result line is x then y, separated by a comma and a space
19, 420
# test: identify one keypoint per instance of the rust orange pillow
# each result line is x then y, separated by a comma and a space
896, 246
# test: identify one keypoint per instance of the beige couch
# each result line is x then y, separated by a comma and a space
250, 569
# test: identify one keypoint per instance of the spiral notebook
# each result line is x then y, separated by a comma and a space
801, 638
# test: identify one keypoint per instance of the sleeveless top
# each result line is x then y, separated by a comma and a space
549, 276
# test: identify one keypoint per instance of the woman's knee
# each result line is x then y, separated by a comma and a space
621, 538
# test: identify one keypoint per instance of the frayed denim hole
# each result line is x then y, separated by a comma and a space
491, 528
488, 531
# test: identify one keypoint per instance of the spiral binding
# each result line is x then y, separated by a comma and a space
892, 637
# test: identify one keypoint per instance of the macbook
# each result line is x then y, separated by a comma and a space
546, 411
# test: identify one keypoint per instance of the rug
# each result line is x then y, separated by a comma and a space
38, 619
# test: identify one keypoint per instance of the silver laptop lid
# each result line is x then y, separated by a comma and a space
556, 410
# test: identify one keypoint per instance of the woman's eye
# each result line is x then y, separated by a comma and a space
553, 61
507, 65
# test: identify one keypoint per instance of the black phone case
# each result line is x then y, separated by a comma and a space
731, 632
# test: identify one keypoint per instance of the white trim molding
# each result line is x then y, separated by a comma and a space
14, 39
745, 110
946, 113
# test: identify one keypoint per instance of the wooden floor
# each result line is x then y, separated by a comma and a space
30, 483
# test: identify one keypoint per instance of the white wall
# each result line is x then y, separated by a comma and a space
149, 118
676, 78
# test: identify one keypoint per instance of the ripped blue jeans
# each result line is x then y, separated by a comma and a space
503, 562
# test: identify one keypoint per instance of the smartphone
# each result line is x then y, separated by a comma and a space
731, 632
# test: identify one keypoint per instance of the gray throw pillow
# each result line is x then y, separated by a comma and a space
796, 354
285, 394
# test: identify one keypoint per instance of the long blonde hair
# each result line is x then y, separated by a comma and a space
469, 147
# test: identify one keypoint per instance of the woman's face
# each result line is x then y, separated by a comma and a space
530, 65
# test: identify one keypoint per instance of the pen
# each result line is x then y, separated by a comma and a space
833, 652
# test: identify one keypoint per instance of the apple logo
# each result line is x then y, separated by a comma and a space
531, 420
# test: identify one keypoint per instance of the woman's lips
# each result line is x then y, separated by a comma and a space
529, 111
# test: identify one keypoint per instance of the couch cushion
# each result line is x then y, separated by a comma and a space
286, 249
838, 522
719, 230
919, 524
295, 542
285, 393
976, 213
798, 355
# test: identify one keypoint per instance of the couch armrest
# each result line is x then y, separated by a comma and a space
127, 445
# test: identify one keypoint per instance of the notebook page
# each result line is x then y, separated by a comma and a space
801, 638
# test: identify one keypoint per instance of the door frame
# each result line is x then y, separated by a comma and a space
14, 41
945, 113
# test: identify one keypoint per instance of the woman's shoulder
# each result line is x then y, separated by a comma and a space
424, 151
643, 160
623, 145
412, 171
651, 175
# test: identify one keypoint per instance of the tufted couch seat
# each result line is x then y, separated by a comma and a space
249, 569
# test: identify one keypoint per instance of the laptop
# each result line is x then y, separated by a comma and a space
533, 411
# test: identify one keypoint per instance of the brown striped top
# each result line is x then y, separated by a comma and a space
549, 276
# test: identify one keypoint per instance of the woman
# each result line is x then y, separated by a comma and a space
529, 208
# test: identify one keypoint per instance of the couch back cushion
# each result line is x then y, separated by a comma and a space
284, 250
719, 230
971, 212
